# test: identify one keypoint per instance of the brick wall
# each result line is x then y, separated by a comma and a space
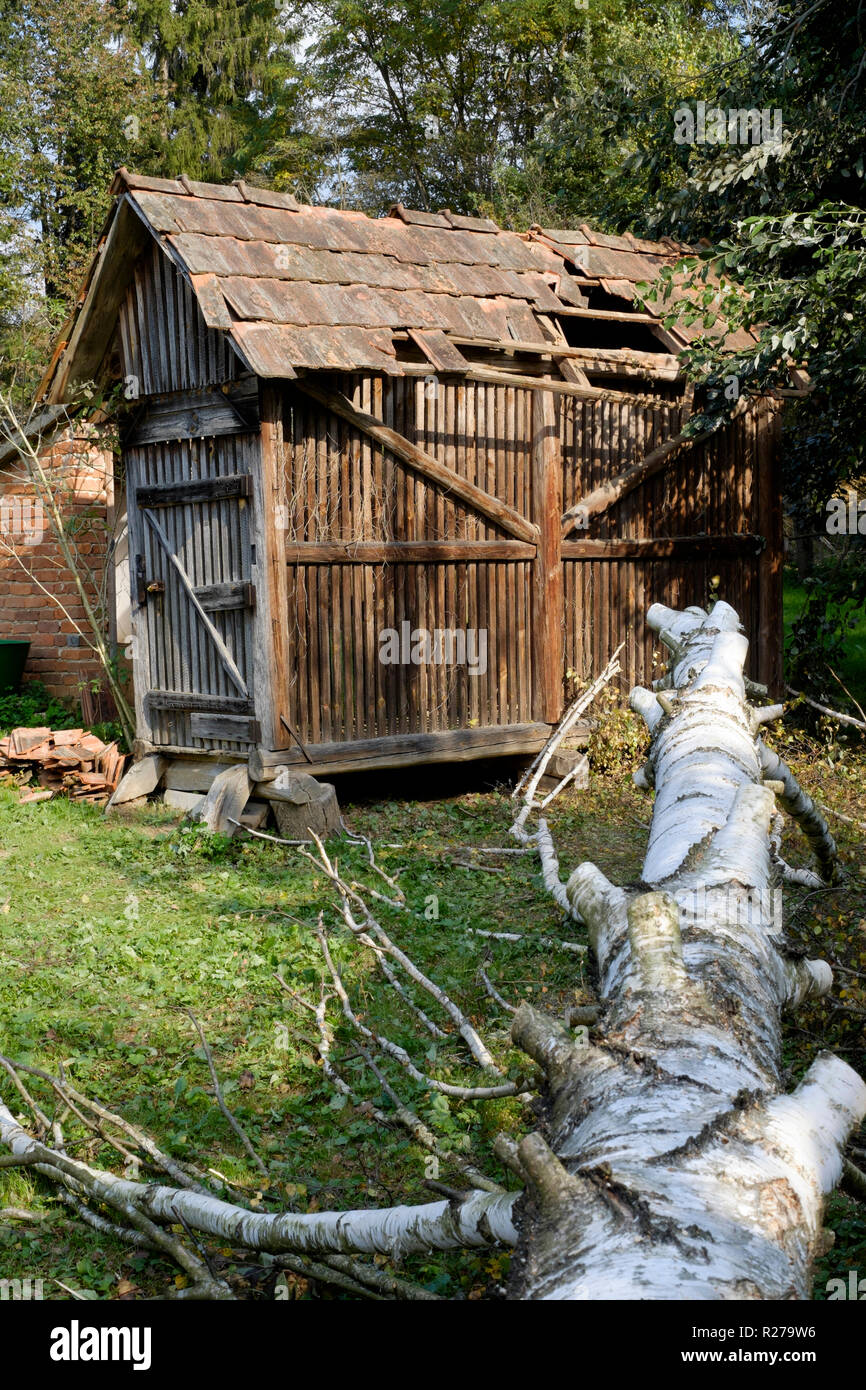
82, 475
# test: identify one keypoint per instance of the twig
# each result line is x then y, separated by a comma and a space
542, 839
494, 993
544, 941
325, 1274
481, 868
469, 1034
825, 709
262, 835
19, 1214
402, 1115
220, 1097
399, 1053
388, 1284
849, 820
65, 1090
854, 702
535, 772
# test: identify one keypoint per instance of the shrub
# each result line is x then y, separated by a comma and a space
33, 706
620, 740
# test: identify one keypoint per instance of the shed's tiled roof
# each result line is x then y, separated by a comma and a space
299, 287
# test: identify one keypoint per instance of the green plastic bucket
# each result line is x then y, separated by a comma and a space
13, 656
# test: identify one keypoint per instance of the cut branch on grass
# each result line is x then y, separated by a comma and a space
542, 840
543, 942
401, 1116
481, 1219
68, 1093
494, 993
465, 1028
840, 718
220, 1098
399, 1054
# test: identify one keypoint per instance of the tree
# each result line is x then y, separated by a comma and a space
603, 150
74, 104
219, 66
668, 1163
427, 103
785, 222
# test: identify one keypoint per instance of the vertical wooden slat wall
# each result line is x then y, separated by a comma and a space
342, 487
706, 491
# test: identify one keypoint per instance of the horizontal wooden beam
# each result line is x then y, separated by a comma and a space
609, 315
552, 349
661, 547
405, 750
493, 377
405, 552
231, 728
203, 413
196, 490
185, 700
422, 462
219, 598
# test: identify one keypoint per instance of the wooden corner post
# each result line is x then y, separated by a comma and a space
547, 575
270, 657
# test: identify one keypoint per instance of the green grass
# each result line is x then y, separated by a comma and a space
110, 927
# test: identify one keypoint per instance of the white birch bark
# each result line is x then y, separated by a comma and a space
478, 1219
673, 1167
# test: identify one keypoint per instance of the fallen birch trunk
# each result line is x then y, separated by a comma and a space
673, 1166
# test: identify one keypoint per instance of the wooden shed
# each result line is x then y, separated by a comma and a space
395, 484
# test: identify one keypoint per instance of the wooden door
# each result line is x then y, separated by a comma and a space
192, 558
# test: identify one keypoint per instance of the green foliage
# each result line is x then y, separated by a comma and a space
424, 102
798, 283
73, 106
619, 743
826, 646
787, 223
604, 151
33, 707
218, 67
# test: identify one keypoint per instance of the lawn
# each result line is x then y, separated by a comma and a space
111, 927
